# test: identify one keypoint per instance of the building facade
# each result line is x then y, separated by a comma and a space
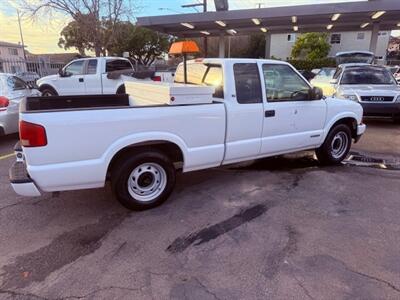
12, 58
281, 44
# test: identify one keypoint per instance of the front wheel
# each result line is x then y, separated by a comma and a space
336, 146
48, 92
143, 180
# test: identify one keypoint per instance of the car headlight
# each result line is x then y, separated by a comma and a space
398, 98
350, 97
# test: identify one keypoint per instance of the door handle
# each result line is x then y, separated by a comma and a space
80, 79
269, 113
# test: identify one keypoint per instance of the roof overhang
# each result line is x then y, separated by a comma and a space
279, 19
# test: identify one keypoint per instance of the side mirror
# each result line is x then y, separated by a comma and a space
333, 81
316, 93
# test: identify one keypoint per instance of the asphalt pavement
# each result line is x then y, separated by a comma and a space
280, 228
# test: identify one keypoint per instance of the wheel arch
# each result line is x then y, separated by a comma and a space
349, 120
47, 85
168, 147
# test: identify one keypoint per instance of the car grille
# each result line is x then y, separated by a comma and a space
377, 98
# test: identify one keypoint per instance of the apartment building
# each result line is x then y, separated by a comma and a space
281, 44
13, 54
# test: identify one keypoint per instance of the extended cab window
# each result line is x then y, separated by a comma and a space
75, 68
214, 77
92, 66
203, 74
282, 83
247, 82
118, 65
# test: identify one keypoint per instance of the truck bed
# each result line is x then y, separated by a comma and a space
36, 104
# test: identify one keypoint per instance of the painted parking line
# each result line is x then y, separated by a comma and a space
7, 156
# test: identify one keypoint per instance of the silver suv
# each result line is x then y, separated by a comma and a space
374, 87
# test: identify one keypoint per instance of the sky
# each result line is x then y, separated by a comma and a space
41, 35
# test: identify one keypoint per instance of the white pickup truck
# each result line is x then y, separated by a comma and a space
255, 108
95, 76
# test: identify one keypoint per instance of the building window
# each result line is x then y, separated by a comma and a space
13, 51
360, 36
335, 38
291, 37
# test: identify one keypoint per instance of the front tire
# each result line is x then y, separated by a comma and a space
48, 92
143, 180
336, 146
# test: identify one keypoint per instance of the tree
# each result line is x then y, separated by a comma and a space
90, 15
256, 48
312, 45
72, 36
143, 45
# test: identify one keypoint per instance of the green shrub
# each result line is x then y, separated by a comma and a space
307, 64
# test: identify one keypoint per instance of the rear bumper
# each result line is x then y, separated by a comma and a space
20, 181
381, 109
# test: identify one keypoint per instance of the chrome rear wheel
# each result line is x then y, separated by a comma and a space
147, 181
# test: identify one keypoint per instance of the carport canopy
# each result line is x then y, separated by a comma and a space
373, 15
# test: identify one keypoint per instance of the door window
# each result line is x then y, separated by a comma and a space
247, 82
75, 68
282, 83
92, 66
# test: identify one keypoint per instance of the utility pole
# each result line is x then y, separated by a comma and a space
20, 32
205, 41
204, 4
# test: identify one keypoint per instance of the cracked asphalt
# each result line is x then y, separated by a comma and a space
280, 228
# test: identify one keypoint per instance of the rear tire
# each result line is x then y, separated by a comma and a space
143, 180
336, 146
396, 120
48, 91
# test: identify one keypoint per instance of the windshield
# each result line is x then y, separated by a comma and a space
367, 75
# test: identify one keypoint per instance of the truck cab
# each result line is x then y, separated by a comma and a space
86, 76
230, 110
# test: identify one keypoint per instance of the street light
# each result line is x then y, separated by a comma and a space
194, 5
170, 9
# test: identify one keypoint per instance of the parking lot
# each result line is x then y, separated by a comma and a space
281, 228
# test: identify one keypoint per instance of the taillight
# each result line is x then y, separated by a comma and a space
32, 135
4, 103
156, 78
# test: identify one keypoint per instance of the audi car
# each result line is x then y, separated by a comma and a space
374, 87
